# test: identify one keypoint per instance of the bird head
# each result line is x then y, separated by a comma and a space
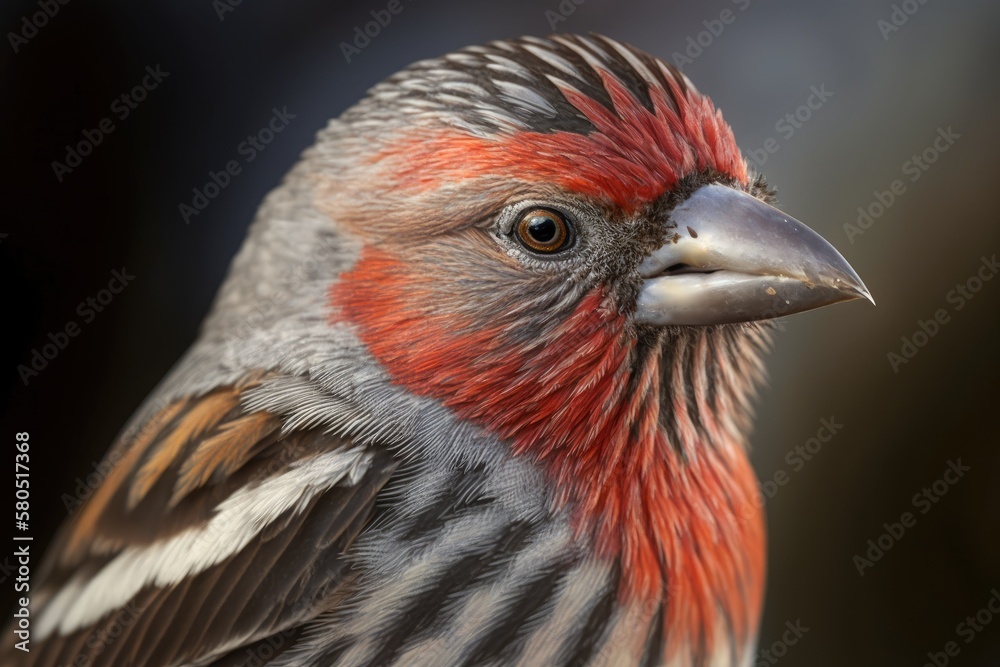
536, 215
511, 183
558, 241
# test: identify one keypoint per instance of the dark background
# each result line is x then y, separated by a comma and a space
119, 208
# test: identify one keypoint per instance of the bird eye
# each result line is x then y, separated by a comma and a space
543, 231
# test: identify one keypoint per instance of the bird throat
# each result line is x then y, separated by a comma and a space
643, 439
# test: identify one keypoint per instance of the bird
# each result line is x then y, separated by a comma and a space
476, 390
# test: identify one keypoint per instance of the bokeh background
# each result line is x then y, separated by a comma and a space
892, 91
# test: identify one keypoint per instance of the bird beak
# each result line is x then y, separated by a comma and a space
733, 258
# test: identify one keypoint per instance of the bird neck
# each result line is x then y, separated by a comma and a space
642, 436
645, 444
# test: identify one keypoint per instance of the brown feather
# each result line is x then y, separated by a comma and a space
226, 451
202, 416
210, 450
84, 526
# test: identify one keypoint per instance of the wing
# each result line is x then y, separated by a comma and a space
212, 530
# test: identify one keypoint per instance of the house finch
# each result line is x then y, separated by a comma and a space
475, 392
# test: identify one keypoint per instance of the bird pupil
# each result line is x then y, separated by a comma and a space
542, 229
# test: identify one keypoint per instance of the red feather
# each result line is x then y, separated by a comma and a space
679, 514
633, 157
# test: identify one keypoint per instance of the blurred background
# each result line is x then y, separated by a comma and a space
877, 93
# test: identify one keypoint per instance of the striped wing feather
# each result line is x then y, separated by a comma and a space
195, 461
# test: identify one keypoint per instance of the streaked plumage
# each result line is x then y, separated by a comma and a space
399, 440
